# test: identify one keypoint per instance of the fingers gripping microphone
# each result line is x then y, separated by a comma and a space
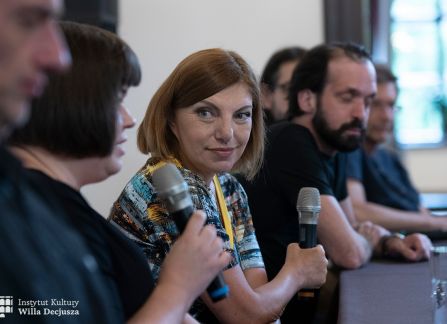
308, 206
173, 190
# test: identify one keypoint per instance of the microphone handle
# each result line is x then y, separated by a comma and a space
181, 217
308, 236
308, 239
217, 289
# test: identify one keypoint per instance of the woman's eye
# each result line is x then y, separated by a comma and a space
203, 113
244, 115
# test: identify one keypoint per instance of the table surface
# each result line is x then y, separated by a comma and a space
386, 292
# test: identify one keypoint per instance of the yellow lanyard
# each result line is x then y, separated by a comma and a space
224, 211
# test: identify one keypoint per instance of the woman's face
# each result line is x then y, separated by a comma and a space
112, 163
214, 132
124, 121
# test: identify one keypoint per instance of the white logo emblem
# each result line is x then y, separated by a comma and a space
6, 303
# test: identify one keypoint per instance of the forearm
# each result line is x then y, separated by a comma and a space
166, 304
274, 295
349, 248
393, 219
246, 304
358, 254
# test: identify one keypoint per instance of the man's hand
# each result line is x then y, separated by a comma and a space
414, 247
371, 232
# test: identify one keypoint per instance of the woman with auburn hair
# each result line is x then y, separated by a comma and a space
206, 118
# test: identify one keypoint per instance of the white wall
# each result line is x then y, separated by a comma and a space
163, 32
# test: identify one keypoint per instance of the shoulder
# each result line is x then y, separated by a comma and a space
141, 181
291, 140
289, 131
354, 165
386, 157
136, 195
355, 156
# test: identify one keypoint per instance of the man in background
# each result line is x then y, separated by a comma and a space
275, 81
378, 184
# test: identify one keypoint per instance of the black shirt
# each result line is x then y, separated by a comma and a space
292, 161
42, 257
122, 264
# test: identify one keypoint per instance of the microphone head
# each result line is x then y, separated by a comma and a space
171, 187
167, 179
308, 200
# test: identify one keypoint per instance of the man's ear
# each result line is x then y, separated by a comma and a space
307, 101
266, 96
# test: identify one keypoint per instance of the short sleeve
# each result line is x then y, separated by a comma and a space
141, 218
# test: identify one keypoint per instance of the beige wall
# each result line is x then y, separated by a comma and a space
163, 32
427, 168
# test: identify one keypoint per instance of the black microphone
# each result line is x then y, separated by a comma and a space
308, 206
173, 190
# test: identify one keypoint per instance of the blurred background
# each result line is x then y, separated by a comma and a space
409, 35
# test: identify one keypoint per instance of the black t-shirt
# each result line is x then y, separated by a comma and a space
384, 178
292, 161
122, 264
42, 258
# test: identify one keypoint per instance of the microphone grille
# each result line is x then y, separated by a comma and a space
167, 178
309, 198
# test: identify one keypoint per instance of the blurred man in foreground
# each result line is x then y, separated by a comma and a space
41, 256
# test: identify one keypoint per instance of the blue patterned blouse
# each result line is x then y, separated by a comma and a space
143, 217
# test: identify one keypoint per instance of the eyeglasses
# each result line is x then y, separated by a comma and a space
384, 106
283, 87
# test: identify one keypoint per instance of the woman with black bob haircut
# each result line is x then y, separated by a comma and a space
74, 138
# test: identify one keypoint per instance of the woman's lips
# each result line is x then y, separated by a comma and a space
223, 152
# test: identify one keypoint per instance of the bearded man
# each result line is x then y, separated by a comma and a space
329, 100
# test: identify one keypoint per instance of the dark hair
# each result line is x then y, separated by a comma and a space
384, 74
311, 73
199, 76
76, 115
270, 74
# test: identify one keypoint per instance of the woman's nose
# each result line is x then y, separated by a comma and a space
224, 131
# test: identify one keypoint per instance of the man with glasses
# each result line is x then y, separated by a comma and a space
275, 81
378, 183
